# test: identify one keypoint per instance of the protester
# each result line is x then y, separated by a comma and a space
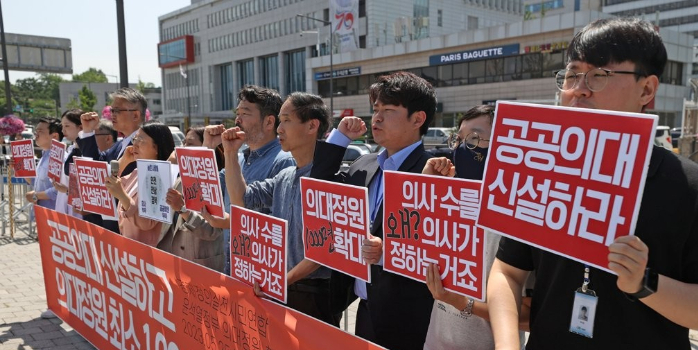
71, 126
194, 137
394, 310
128, 112
152, 141
105, 135
303, 119
650, 300
258, 116
44, 194
458, 322
190, 236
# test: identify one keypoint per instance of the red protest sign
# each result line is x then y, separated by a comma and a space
23, 157
566, 180
335, 218
95, 197
74, 188
429, 219
200, 180
121, 294
55, 160
258, 250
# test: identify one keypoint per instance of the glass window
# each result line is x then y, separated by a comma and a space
295, 71
270, 72
512, 68
352, 85
476, 72
495, 70
445, 75
430, 75
532, 66
460, 74
552, 61
245, 73
226, 81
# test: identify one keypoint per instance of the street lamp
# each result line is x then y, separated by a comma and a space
331, 55
187, 120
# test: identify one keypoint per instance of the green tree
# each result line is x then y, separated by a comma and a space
51, 84
141, 86
73, 104
87, 99
92, 75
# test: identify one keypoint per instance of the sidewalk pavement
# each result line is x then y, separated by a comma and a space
23, 298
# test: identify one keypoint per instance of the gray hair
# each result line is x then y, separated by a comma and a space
107, 126
132, 96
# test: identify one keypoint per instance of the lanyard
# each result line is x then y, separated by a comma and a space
585, 285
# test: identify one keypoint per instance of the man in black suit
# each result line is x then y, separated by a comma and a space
128, 113
394, 311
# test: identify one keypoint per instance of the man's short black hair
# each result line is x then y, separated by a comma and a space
267, 100
308, 106
617, 40
54, 125
476, 112
407, 90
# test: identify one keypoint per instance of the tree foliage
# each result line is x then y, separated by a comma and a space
92, 75
87, 99
141, 86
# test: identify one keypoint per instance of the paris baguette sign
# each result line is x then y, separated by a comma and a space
473, 55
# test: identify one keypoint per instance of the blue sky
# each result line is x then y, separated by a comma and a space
91, 26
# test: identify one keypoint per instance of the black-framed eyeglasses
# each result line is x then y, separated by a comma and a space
113, 110
472, 140
595, 79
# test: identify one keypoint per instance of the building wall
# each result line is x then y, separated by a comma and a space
69, 91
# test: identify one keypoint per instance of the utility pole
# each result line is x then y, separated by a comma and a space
5, 64
121, 29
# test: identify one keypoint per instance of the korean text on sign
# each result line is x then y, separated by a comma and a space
55, 161
95, 197
429, 219
23, 157
200, 181
566, 180
335, 221
258, 250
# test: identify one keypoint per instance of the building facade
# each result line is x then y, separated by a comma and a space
210, 49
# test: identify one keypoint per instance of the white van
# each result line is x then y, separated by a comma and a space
177, 135
662, 137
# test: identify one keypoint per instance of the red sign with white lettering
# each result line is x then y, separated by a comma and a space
335, 221
258, 251
95, 197
430, 219
55, 161
200, 180
566, 180
23, 157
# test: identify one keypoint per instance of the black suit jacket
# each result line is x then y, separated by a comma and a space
400, 308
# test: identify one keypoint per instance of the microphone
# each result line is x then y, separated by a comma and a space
114, 168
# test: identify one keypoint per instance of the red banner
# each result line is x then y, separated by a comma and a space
23, 157
430, 219
258, 250
55, 160
335, 218
122, 294
200, 180
566, 180
95, 197
74, 188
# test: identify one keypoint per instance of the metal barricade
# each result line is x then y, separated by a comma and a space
23, 213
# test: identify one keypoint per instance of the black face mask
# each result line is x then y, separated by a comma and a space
470, 163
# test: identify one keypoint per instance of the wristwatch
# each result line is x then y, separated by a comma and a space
35, 198
468, 310
183, 210
649, 285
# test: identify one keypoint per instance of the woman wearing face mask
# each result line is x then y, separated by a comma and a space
153, 141
71, 126
458, 322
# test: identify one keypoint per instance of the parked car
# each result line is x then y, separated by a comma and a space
437, 136
353, 152
662, 137
177, 135
675, 136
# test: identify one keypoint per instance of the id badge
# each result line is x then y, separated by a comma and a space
583, 313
